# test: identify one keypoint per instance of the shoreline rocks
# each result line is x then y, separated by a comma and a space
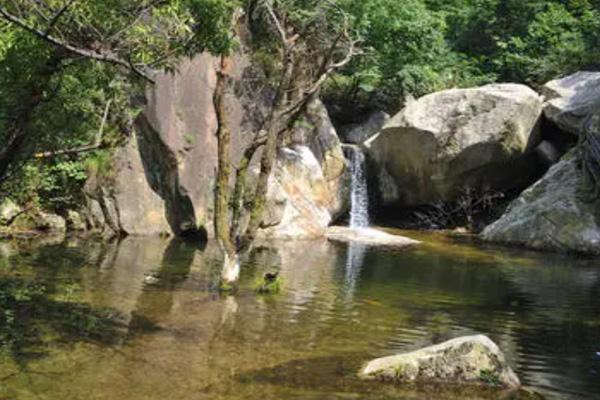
557, 213
464, 360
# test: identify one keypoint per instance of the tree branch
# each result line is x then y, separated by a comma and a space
102, 57
57, 16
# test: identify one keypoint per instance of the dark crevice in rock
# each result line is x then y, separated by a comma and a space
160, 167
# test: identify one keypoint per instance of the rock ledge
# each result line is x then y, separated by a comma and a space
368, 236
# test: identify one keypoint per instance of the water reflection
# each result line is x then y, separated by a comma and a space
354, 261
170, 336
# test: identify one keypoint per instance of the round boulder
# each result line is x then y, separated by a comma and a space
444, 142
469, 359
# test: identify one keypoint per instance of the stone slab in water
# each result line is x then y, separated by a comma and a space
468, 359
369, 236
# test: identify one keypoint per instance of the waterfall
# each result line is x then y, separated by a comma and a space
359, 195
359, 215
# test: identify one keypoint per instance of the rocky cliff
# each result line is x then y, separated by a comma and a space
164, 177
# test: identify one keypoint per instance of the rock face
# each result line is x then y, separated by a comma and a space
471, 359
358, 133
570, 100
300, 195
128, 204
164, 180
445, 141
554, 214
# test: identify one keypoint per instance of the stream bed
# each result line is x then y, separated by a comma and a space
139, 319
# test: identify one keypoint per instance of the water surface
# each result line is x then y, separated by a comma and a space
139, 319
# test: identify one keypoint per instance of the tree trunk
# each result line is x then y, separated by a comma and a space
269, 152
230, 272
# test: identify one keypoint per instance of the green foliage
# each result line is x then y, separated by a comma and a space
100, 164
416, 47
52, 99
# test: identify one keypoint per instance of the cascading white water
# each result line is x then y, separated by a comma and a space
359, 214
359, 195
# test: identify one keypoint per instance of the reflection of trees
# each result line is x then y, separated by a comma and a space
37, 304
156, 299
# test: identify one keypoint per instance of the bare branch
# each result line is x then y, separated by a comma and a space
277, 23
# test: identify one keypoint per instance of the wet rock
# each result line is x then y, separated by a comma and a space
368, 236
446, 141
470, 359
570, 100
360, 132
557, 213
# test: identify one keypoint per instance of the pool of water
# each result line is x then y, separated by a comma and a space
139, 319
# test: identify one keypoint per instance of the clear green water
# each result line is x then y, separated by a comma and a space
138, 320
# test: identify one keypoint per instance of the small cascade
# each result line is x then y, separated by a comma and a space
359, 194
359, 215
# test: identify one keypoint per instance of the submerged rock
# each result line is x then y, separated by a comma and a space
446, 141
570, 100
557, 213
470, 359
368, 236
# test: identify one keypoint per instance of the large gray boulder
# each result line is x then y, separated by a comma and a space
556, 214
570, 100
470, 359
443, 142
